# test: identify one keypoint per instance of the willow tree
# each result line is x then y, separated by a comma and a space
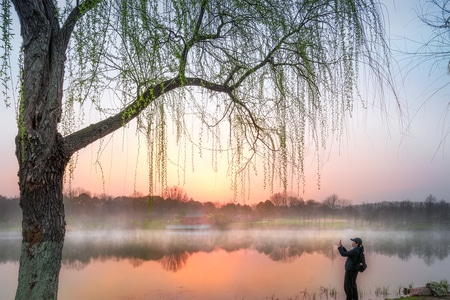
260, 76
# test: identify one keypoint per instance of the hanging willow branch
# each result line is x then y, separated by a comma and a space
279, 72
6, 48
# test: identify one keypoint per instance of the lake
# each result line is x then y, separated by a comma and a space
237, 264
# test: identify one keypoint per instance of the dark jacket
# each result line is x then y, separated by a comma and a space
352, 257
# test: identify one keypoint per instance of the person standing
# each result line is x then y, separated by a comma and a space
350, 287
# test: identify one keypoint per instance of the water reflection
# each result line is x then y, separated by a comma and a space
264, 264
428, 246
173, 248
174, 261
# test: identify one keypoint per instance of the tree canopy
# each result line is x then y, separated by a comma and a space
261, 77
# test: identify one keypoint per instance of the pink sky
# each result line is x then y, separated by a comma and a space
378, 159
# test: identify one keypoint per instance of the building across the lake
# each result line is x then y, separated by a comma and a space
192, 221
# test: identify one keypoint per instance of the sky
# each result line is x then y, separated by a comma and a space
386, 154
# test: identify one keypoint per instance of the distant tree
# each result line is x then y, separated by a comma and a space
244, 210
344, 202
209, 207
312, 203
71, 193
3, 207
229, 209
430, 200
430, 208
273, 72
9, 212
194, 206
279, 199
83, 199
331, 201
406, 210
295, 202
163, 207
175, 193
296, 206
265, 209
311, 207
443, 215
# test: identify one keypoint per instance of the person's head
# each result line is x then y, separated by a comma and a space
356, 241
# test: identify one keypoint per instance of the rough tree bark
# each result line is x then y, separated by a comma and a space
41, 151
43, 225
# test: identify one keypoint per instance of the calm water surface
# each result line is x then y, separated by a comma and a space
266, 264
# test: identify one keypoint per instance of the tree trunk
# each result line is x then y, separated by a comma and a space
39, 270
43, 225
41, 151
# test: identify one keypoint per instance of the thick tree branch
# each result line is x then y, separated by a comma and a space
81, 9
93, 132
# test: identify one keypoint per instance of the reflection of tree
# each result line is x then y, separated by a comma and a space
282, 254
76, 265
427, 254
136, 262
295, 251
174, 261
405, 253
428, 259
426, 245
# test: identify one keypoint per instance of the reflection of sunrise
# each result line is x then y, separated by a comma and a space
240, 274
215, 275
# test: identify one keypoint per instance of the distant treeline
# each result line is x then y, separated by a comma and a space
94, 212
